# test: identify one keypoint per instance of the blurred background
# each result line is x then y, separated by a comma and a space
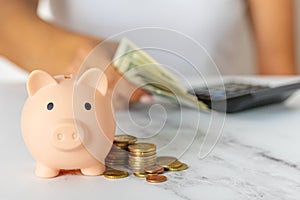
247, 59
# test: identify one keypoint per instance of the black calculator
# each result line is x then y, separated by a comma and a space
235, 97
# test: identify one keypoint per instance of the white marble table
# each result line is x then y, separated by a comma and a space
257, 156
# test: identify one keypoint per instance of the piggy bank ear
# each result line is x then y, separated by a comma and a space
37, 80
95, 78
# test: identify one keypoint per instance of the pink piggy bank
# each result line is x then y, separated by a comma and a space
68, 123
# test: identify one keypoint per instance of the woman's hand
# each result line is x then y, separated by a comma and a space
99, 54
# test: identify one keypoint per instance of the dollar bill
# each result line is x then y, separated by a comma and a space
141, 69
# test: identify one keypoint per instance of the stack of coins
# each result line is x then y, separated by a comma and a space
141, 155
141, 159
118, 155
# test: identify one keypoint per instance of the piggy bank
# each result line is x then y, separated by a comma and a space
68, 122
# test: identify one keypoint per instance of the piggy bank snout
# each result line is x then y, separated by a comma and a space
68, 136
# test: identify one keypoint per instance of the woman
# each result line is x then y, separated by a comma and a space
32, 43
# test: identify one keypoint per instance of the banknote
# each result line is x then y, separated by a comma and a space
144, 71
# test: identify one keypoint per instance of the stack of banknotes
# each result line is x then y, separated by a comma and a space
144, 71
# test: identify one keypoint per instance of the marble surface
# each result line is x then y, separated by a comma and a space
257, 155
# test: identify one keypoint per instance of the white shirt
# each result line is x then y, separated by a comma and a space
220, 26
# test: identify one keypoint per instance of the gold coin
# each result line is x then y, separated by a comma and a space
165, 161
129, 139
154, 169
142, 154
180, 168
116, 160
116, 156
142, 161
145, 164
140, 174
142, 147
142, 158
115, 174
114, 163
119, 146
156, 178
140, 166
175, 164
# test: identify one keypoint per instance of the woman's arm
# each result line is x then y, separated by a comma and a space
32, 43
273, 22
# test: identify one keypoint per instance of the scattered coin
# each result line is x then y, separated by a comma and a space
154, 169
115, 174
175, 164
165, 161
156, 178
180, 168
140, 174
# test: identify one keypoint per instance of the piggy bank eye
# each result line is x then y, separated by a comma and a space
87, 106
50, 106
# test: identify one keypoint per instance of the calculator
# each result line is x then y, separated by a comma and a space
234, 97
